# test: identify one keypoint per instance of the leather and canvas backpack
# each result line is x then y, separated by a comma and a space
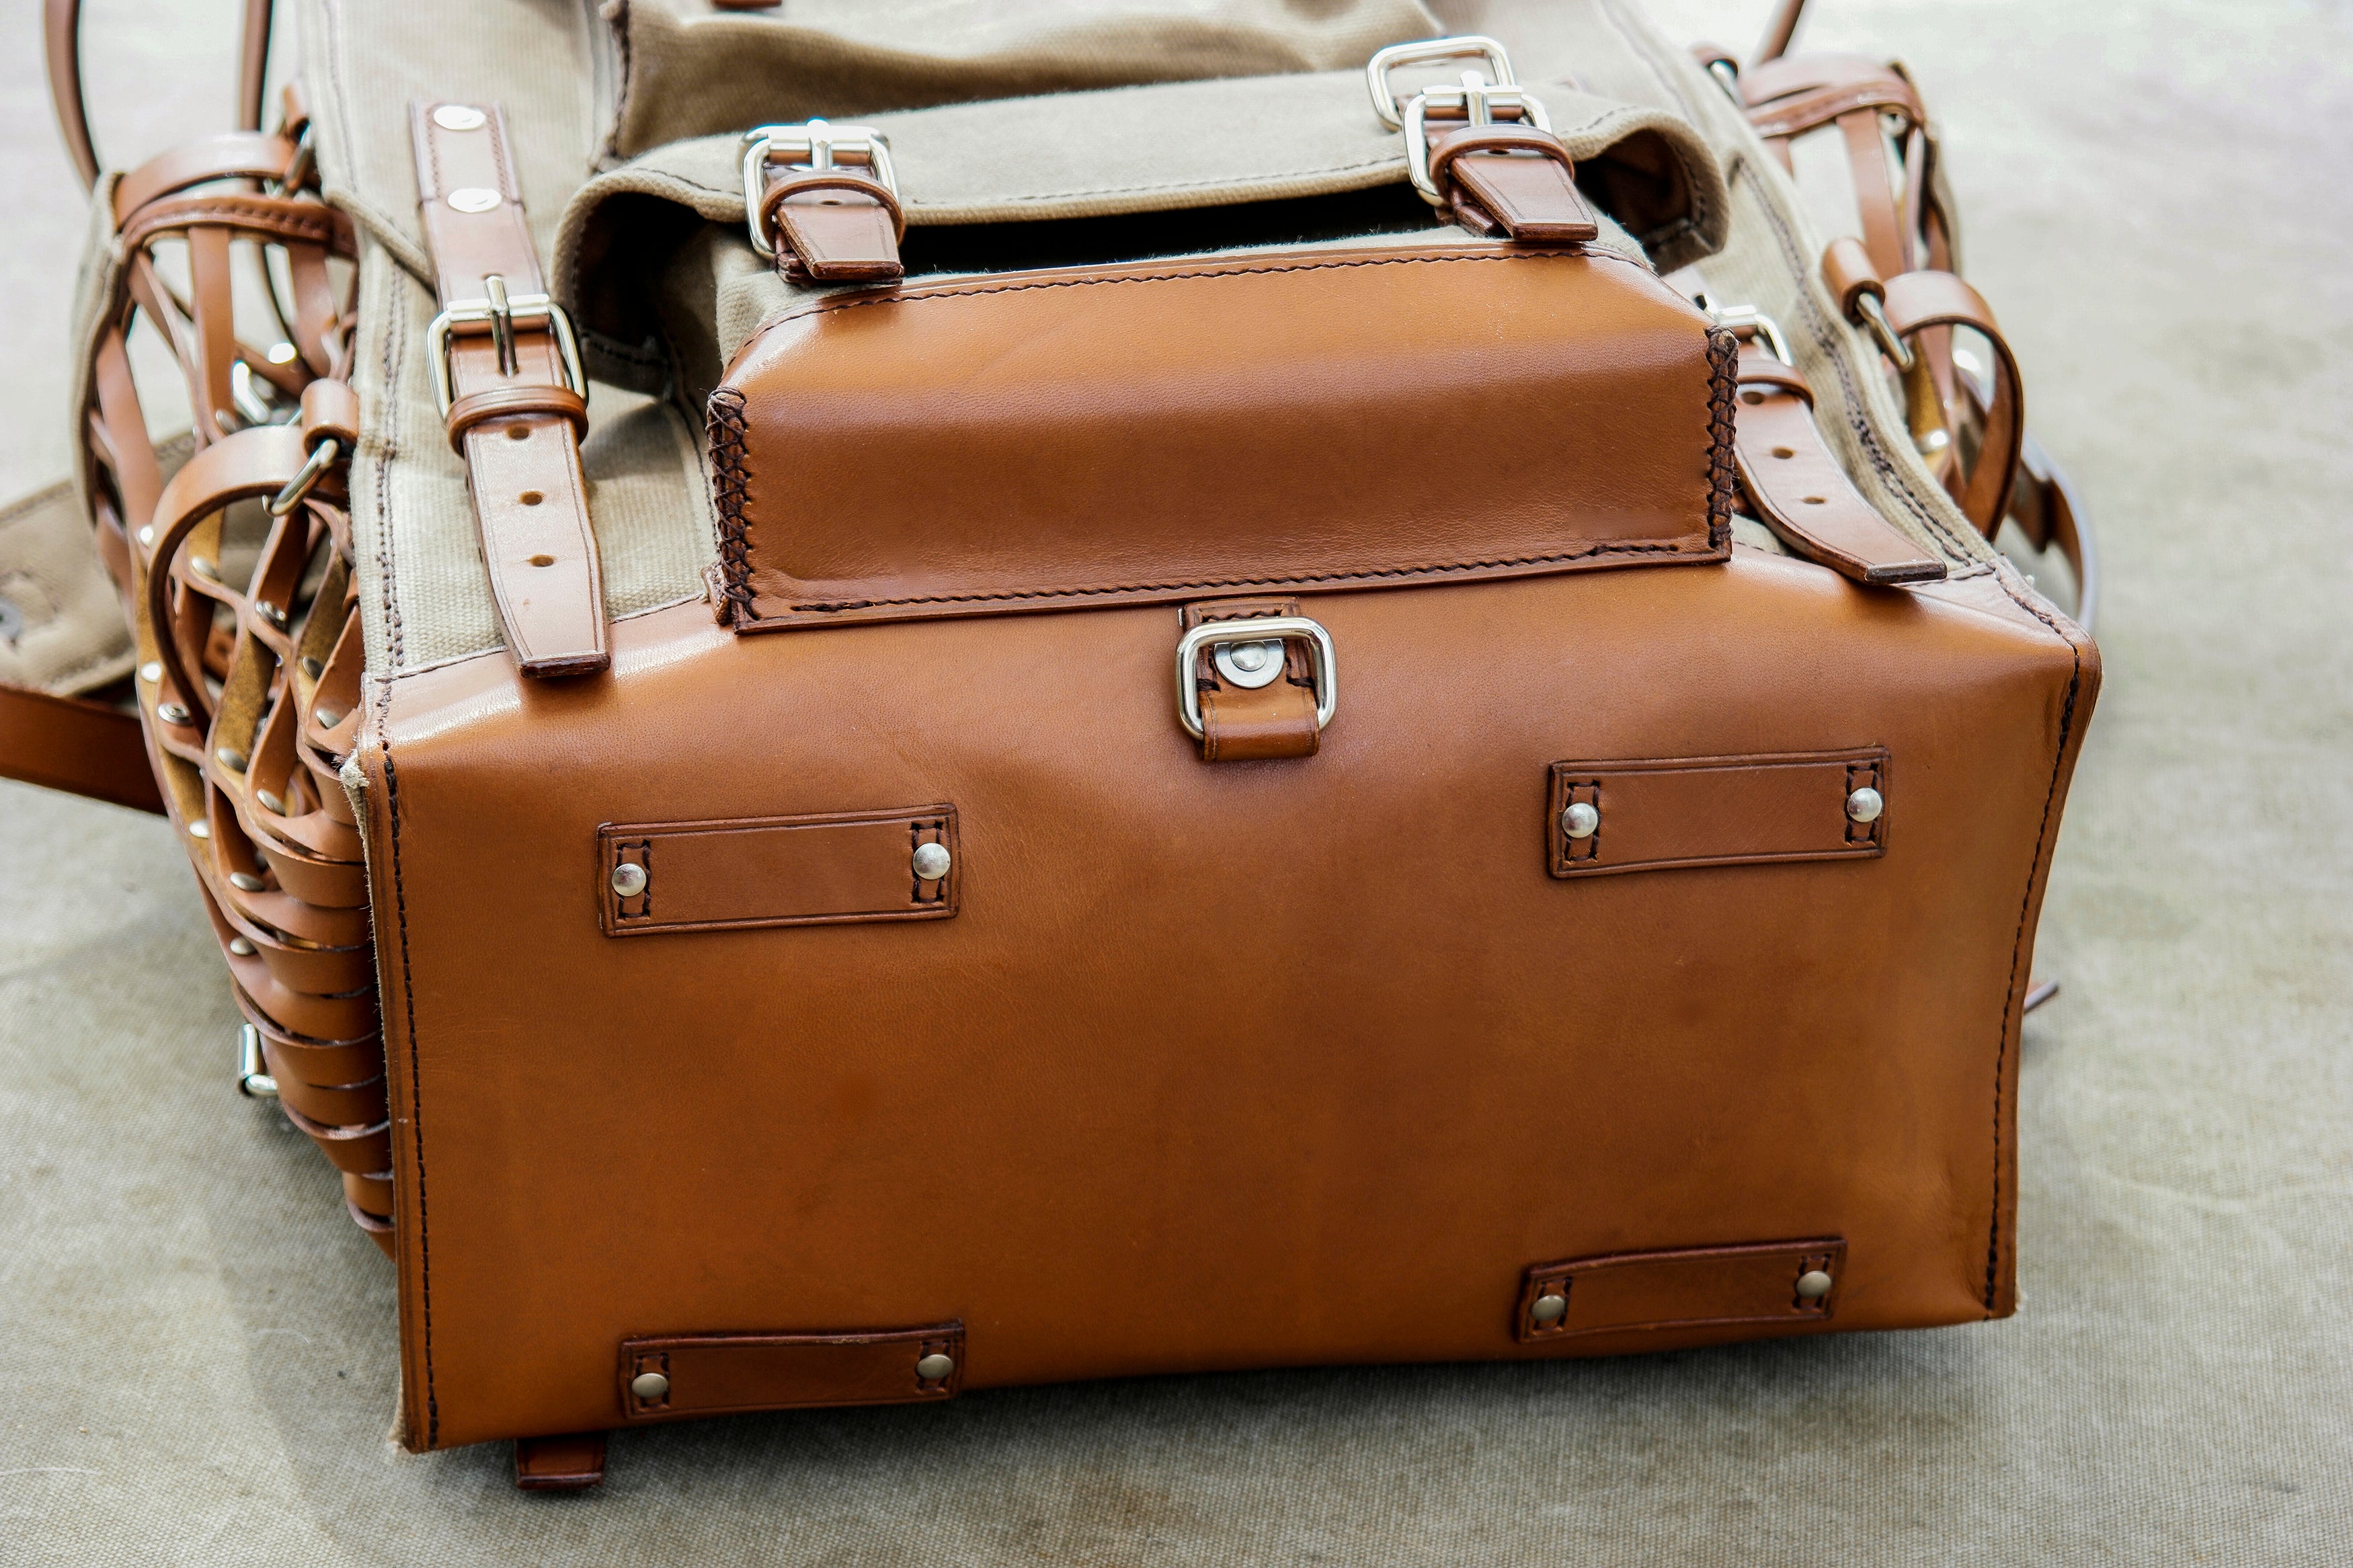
1102, 686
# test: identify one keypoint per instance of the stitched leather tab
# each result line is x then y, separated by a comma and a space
709, 1375
1714, 811
775, 871
1516, 179
833, 226
1240, 724
1627, 1292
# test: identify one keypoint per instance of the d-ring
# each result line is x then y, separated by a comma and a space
1266, 628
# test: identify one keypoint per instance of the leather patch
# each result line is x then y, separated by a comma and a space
775, 871
1626, 1292
1714, 811
711, 1374
1240, 724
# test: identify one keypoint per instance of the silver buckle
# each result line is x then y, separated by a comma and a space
1269, 628
499, 313
819, 141
1477, 100
1732, 318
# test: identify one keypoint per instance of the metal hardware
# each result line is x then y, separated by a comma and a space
1727, 77
649, 1387
529, 308
628, 879
1874, 316
200, 829
151, 672
313, 667
931, 862
1865, 804
1249, 665
1732, 318
147, 536
251, 394
270, 613
817, 140
327, 718
935, 1367
502, 321
1814, 1285
322, 458
231, 758
298, 168
172, 713
1431, 52
202, 565
269, 802
240, 947
1580, 819
1478, 98
459, 117
253, 1079
474, 199
245, 882
1216, 633
1549, 1309
2037, 992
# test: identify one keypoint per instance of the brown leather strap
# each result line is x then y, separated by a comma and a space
834, 225
1917, 301
1797, 488
520, 433
232, 154
1780, 32
61, 22
85, 748
1244, 724
1515, 180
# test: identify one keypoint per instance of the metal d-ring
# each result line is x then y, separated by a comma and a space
322, 458
1267, 628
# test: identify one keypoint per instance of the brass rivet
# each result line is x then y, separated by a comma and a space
628, 879
1864, 804
931, 862
244, 881
459, 117
1580, 819
231, 758
1814, 1285
327, 718
151, 672
172, 713
935, 1367
1549, 1309
239, 946
650, 1387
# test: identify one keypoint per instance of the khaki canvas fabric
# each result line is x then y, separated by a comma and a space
200, 1344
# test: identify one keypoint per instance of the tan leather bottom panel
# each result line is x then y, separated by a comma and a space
1220, 1065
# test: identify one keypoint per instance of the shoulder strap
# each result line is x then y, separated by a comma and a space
74, 744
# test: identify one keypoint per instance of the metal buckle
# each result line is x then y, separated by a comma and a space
817, 140
1470, 47
1735, 317
323, 456
1269, 628
253, 1079
499, 313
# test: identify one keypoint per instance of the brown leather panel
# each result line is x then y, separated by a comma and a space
1717, 811
1371, 1038
1800, 491
1103, 414
570, 1461
1683, 1289
709, 1374
775, 871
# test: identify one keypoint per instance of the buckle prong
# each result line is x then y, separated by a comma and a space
820, 141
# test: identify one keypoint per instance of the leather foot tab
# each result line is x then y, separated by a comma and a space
571, 1462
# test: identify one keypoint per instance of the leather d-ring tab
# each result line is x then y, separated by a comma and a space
1847, 268
1494, 185
834, 225
1248, 724
511, 402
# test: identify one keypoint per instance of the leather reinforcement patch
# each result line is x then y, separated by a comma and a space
1627, 1292
1604, 817
670, 1377
729, 873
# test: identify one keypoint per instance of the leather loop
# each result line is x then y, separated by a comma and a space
848, 236
1493, 183
506, 402
231, 155
1847, 268
1917, 301
331, 410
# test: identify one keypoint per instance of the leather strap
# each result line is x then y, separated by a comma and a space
513, 417
1495, 186
1917, 301
1780, 32
834, 225
61, 24
84, 748
1797, 488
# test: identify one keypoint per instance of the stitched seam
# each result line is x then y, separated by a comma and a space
1723, 355
731, 489
2018, 942
1602, 547
416, 1099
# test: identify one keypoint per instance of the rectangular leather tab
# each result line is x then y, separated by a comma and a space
1627, 1292
711, 1374
1243, 724
775, 871
1715, 810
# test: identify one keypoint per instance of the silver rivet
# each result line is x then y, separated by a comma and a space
172, 713
151, 672
282, 352
1580, 819
459, 117
628, 879
202, 565
1814, 1285
200, 830
1864, 804
327, 718
231, 759
314, 669
1250, 664
1549, 1309
1251, 658
239, 946
473, 199
931, 862
269, 802
270, 613
650, 1387
244, 881
935, 1367
147, 536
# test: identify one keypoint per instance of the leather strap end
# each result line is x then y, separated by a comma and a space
1802, 493
1532, 200
835, 226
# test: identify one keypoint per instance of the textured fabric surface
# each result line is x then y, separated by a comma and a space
201, 1344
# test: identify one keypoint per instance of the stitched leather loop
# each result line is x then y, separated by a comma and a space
504, 402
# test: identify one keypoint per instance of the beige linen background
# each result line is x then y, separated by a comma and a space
199, 1345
